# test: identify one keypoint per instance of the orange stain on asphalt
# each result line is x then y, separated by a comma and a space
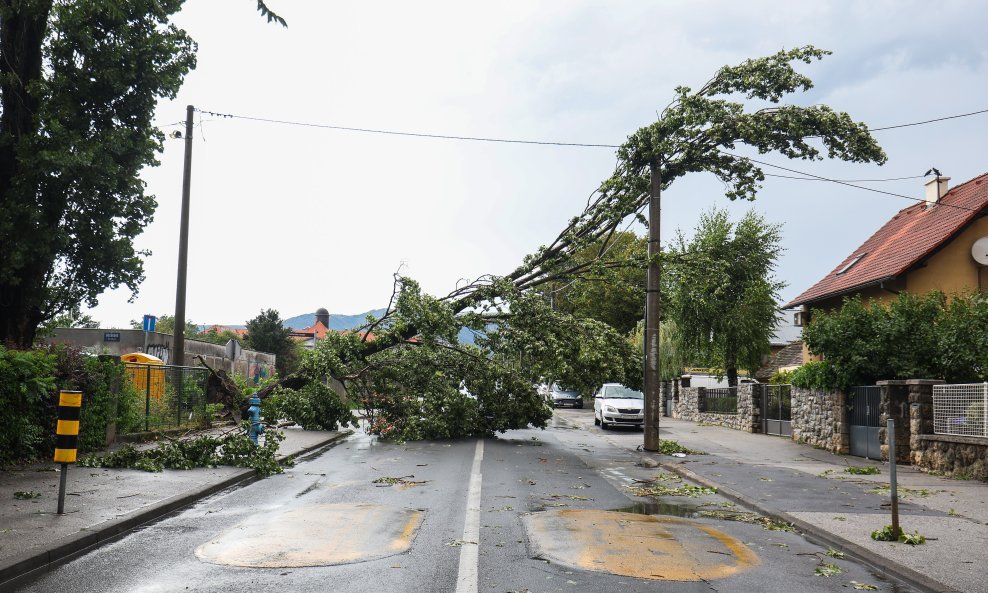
315, 535
641, 546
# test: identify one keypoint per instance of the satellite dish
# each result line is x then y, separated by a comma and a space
979, 251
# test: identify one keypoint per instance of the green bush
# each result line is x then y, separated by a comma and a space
912, 337
781, 377
812, 375
27, 413
29, 385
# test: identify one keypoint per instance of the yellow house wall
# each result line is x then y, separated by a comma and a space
952, 269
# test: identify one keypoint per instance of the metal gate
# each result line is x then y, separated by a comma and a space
667, 398
864, 421
776, 409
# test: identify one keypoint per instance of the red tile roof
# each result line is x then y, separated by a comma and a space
910, 237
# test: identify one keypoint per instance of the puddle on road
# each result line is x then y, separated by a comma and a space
661, 508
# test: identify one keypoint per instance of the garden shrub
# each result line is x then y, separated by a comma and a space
27, 414
29, 385
926, 336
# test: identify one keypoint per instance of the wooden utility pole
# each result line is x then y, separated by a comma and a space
653, 314
178, 342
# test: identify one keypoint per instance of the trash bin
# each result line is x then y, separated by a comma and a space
145, 373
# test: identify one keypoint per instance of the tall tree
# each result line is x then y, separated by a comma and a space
79, 83
723, 297
267, 333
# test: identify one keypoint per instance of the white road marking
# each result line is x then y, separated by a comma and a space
466, 579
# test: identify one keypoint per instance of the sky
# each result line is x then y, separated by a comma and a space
295, 218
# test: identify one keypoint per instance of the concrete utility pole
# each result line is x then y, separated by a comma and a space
178, 344
653, 315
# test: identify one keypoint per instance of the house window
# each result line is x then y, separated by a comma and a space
851, 263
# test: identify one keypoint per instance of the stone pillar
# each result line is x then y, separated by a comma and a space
842, 430
755, 396
920, 414
894, 404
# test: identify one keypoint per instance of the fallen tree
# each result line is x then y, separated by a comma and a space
414, 377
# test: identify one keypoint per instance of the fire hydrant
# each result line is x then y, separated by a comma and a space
254, 412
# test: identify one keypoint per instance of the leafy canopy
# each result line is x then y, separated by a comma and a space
78, 89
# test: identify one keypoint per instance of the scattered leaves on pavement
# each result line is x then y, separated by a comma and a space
667, 447
862, 471
863, 586
399, 481
26, 494
834, 553
456, 543
749, 517
684, 490
827, 570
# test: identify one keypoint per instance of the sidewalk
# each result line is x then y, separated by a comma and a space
809, 488
101, 503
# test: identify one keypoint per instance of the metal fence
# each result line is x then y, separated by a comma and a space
960, 409
720, 400
174, 397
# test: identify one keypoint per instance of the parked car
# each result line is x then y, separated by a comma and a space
615, 404
559, 396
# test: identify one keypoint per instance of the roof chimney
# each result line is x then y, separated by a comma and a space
936, 188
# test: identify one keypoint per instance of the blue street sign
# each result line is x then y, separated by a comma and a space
149, 323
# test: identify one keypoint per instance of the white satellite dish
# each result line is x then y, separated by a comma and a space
979, 251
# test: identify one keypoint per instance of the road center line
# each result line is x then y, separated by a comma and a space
466, 579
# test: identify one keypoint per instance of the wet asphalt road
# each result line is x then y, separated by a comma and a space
522, 472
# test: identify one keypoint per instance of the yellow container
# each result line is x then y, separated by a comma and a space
143, 374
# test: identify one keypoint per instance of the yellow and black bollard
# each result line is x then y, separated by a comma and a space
66, 437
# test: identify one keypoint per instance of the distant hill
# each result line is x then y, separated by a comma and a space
336, 321
344, 322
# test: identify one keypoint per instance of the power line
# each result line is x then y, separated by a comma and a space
929, 121
410, 134
839, 182
844, 180
513, 140
805, 176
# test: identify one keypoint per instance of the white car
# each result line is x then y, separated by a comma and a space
615, 404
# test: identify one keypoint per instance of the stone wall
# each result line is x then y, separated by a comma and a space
958, 456
819, 418
687, 407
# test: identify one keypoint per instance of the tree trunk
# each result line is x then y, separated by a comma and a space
23, 26
731, 364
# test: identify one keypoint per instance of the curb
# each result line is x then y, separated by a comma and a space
70, 546
876, 562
